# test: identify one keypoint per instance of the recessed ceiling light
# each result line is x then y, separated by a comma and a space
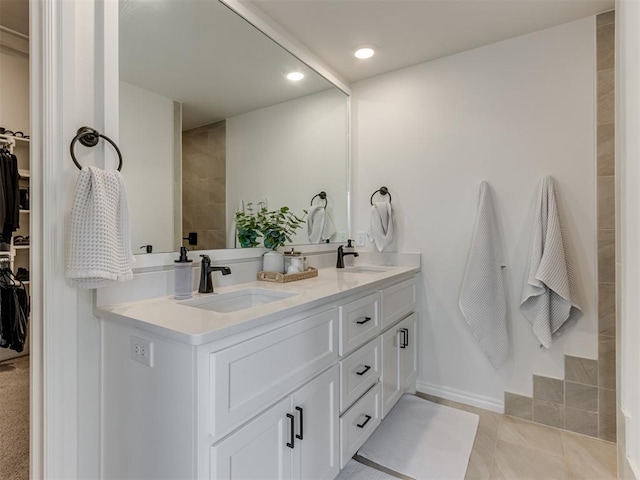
364, 51
295, 76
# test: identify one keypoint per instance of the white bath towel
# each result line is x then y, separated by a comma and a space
99, 240
483, 300
320, 225
381, 225
548, 297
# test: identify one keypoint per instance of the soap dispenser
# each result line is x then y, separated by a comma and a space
349, 260
183, 276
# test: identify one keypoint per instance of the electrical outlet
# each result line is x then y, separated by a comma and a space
142, 351
361, 239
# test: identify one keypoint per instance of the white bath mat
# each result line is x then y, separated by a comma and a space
423, 440
356, 471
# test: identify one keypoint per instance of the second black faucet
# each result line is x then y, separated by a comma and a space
206, 283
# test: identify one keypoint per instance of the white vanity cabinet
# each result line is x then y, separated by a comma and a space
296, 439
292, 398
399, 361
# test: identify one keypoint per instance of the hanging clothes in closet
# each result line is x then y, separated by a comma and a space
14, 310
9, 195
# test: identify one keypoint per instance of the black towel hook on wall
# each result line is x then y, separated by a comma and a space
89, 137
382, 191
323, 196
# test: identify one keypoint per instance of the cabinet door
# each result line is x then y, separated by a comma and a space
259, 450
391, 386
315, 406
408, 351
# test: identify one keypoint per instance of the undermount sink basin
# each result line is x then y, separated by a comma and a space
234, 301
365, 269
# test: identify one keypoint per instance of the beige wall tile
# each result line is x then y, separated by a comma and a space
548, 413
606, 46
607, 362
518, 406
606, 108
217, 189
606, 149
549, 389
581, 370
581, 421
582, 397
606, 256
607, 309
514, 462
607, 414
606, 18
606, 203
195, 192
588, 458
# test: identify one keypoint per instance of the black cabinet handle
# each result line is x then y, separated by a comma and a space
300, 437
362, 322
366, 369
291, 423
361, 425
404, 338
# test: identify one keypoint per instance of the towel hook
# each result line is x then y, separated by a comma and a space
383, 191
323, 196
89, 137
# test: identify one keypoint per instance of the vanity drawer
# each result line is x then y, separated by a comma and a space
359, 322
398, 301
248, 377
358, 372
358, 423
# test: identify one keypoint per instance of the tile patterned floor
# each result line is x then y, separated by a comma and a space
512, 449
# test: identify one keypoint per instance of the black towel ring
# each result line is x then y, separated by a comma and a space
89, 138
383, 191
323, 196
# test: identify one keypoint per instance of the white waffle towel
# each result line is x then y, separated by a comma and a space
381, 225
483, 300
99, 242
548, 297
320, 225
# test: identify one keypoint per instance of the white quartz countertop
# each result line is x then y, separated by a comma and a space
195, 326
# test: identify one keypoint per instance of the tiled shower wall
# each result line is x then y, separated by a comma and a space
585, 400
204, 185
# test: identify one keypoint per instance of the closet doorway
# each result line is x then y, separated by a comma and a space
14, 240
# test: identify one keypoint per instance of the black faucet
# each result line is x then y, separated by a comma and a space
206, 284
341, 254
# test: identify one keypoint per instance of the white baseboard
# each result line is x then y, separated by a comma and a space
462, 396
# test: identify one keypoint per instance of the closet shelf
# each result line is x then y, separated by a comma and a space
24, 173
25, 211
21, 247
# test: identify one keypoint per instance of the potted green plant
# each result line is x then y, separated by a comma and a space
247, 227
277, 227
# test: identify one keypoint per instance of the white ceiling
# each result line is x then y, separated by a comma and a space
204, 55
412, 32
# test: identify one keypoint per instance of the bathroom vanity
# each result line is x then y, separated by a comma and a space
257, 380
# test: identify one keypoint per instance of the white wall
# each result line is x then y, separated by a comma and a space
14, 84
628, 235
509, 113
289, 152
147, 130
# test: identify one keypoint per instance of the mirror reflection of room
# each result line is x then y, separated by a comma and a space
211, 125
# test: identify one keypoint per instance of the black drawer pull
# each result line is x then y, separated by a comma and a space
366, 369
362, 322
291, 423
361, 425
404, 340
300, 437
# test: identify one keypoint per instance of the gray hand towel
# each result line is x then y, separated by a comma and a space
483, 301
548, 297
